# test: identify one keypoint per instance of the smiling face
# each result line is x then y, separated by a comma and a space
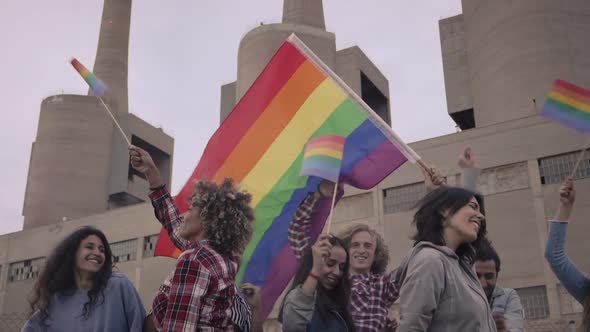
466, 222
192, 225
487, 275
362, 252
333, 269
90, 256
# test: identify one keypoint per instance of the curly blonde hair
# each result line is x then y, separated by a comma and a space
381, 258
226, 213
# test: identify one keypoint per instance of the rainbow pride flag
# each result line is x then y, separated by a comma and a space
261, 145
97, 87
323, 157
569, 105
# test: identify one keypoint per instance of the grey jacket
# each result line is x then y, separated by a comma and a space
506, 301
439, 293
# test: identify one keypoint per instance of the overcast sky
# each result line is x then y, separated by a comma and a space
181, 51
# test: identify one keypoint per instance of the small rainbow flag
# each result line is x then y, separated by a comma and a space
569, 105
261, 145
323, 157
97, 86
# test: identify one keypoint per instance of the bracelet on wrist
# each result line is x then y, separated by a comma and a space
311, 274
158, 187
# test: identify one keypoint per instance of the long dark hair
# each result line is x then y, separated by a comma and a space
58, 274
328, 301
429, 219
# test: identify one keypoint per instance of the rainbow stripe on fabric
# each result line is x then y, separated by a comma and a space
569, 105
97, 86
323, 157
261, 146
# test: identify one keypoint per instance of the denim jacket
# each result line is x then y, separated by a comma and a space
506, 301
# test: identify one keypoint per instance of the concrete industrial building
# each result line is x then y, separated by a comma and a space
498, 56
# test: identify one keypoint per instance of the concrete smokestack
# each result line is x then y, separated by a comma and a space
112, 52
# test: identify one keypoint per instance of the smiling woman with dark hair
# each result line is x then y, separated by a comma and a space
77, 289
439, 289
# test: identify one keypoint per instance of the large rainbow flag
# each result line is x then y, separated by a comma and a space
261, 145
569, 105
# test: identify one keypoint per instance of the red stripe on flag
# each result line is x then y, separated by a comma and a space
572, 87
278, 72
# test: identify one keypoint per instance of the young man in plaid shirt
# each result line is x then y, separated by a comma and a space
372, 290
200, 292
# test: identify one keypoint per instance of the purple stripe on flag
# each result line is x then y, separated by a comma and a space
565, 118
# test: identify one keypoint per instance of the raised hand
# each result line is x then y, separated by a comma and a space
466, 159
325, 189
142, 162
567, 193
567, 197
320, 251
432, 179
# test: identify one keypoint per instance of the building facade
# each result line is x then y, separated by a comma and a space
500, 59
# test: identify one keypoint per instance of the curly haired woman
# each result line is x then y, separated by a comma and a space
199, 293
77, 289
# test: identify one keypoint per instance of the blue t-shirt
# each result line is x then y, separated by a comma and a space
121, 310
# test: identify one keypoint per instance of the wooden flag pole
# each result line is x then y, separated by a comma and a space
586, 146
115, 120
329, 223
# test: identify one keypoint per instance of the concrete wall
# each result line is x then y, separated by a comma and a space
228, 100
516, 49
260, 44
455, 64
122, 224
71, 156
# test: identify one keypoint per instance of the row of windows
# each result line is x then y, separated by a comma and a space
124, 251
554, 169
534, 302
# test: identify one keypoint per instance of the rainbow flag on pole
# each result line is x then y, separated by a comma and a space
569, 105
323, 157
97, 86
261, 145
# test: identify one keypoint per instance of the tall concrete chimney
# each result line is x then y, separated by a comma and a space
112, 52
304, 12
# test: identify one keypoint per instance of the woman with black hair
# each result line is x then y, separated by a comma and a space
439, 288
78, 290
320, 296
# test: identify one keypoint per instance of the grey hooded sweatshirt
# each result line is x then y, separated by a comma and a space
440, 293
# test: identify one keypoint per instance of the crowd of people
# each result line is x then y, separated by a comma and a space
446, 282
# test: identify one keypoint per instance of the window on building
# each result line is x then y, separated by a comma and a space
25, 270
534, 301
555, 169
371, 95
149, 245
403, 198
124, 251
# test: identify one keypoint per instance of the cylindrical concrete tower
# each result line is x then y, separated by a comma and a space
302, 17
70, 161
112, 52
70, 165
516, 49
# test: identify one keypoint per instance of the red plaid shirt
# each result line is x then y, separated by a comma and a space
371, 294
198, 294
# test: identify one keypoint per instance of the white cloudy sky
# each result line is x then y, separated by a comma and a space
181, 51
